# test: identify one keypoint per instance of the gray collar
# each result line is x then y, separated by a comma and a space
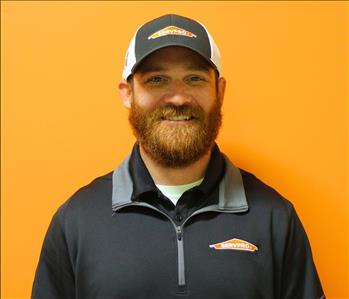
232, 196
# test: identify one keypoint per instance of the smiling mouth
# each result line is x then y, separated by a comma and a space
178, 118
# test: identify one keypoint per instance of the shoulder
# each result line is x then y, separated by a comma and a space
264, 198
95, 196
268, 208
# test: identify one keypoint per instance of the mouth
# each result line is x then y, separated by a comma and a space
178, 118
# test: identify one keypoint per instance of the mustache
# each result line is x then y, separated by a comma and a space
171, 110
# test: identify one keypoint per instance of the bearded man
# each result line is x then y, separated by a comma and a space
176, 218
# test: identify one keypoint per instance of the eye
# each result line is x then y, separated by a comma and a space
155, 80
196, 79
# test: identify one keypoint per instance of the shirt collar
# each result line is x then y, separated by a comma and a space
143, 182
141, 178
131, 179
214, 172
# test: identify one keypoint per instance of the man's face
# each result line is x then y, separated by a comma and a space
175, 106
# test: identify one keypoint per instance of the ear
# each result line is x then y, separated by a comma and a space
125, 91
221, 88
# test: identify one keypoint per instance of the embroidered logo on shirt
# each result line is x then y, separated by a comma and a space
171, 30
235, 244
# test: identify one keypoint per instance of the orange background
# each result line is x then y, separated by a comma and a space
285, 112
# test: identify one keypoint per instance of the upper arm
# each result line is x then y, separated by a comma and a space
299, 275
54, 277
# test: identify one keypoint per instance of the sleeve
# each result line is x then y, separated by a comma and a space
299, 276
54, 277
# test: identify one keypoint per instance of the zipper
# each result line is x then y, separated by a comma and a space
179, 232
182, 285
180, 256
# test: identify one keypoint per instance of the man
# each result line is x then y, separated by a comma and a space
176, 218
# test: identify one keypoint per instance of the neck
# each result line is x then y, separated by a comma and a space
175, 176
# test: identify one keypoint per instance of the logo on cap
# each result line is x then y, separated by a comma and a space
235, 244
171, 30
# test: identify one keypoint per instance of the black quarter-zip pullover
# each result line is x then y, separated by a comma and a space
231, 237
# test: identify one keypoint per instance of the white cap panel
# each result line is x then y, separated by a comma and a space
130, 58
215, 54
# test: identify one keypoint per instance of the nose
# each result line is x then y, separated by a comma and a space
178, 94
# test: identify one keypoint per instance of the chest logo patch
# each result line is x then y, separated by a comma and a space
235, 244
171, 30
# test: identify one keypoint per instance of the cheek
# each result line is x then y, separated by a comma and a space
148, 101
206, 100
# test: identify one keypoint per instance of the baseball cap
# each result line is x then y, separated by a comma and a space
170, 30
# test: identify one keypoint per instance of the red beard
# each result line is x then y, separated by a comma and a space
176, 145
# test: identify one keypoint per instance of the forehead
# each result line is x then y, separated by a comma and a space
170, 57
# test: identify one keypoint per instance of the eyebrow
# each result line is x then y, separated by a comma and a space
204, 66
147, 68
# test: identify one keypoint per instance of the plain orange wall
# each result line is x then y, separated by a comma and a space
285, 112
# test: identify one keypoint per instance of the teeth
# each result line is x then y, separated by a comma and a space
178, 118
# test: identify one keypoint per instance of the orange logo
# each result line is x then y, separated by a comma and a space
171, 30
235, 244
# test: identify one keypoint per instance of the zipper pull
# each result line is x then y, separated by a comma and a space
179, 232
